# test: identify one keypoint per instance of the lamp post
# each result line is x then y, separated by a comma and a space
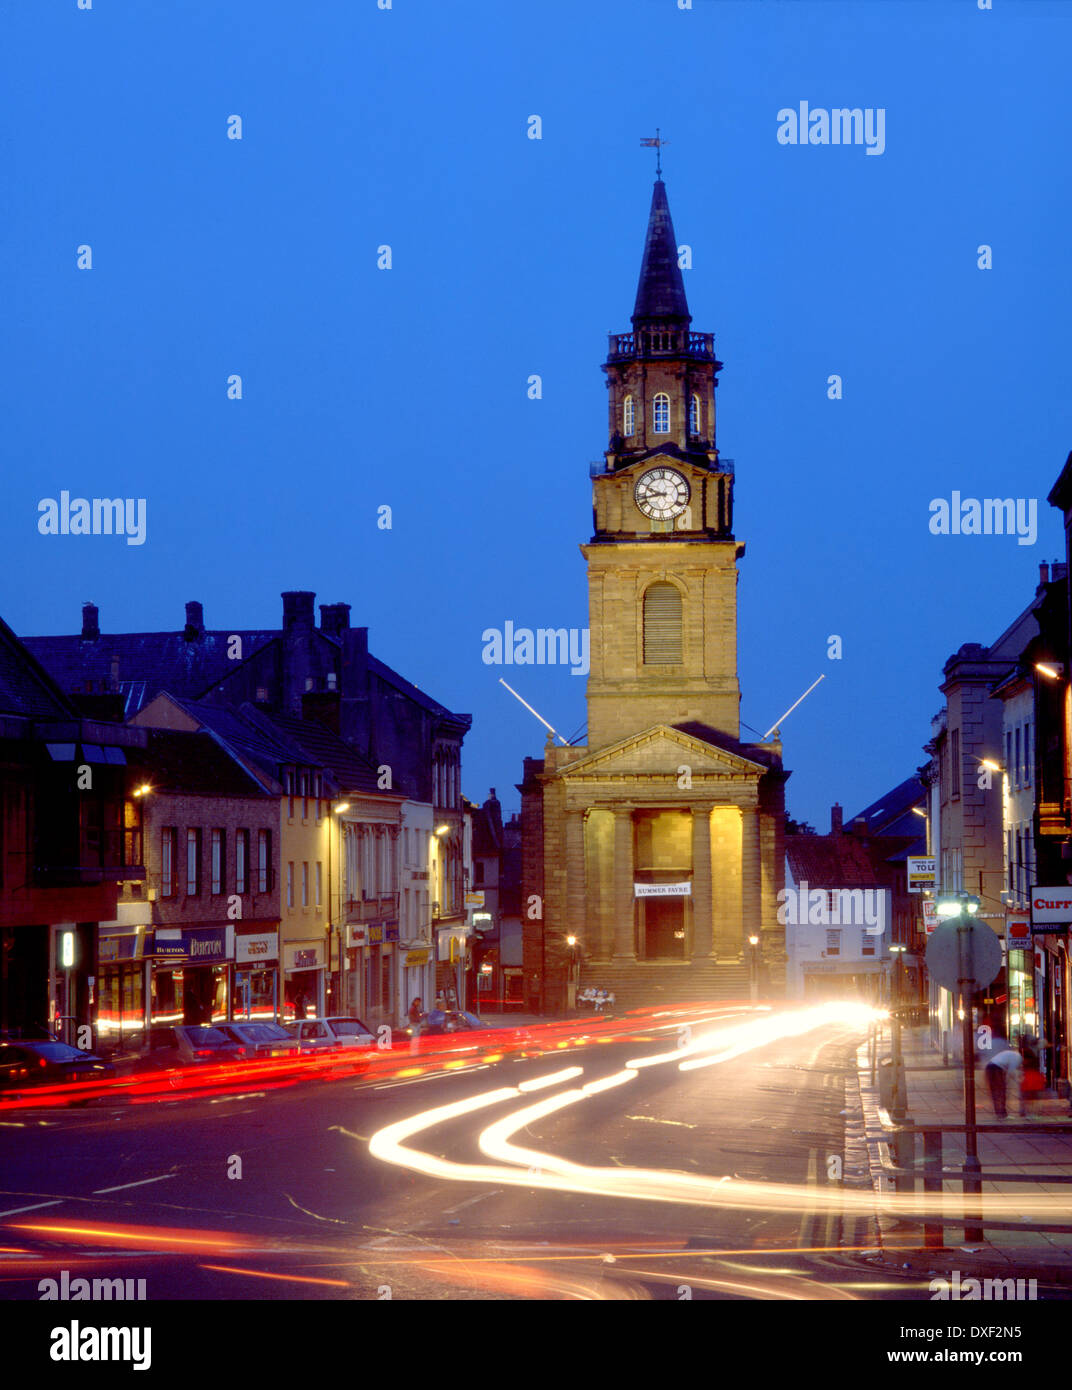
959, 909
571, 986
333, 811
753, 968
896, 997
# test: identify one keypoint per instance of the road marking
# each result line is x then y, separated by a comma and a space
448, 1211
36, 1207
652, 1120
140, 1183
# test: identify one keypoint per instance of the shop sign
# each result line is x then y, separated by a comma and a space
1051, 909
356, 936
1018, 934
135, 946
375, 934
475, 899
662, 890
196, 945
930, 915
260, 947
390, 931
416, 957
305, 960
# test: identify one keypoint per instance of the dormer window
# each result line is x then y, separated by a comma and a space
695, 416
628, 417
661, 413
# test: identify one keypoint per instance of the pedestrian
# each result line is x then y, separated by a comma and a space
415, 1011
301, 1004
1003, 1070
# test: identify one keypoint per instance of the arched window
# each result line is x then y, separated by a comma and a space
628, 417
661, 410
694, 415
662, 625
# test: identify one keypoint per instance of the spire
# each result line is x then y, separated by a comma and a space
660, 290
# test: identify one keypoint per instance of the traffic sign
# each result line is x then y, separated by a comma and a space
979, 946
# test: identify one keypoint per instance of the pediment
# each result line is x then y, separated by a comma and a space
661, 751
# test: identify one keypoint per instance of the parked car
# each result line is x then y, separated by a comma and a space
319, 1033
260, 1038
46, 1062
178, 1045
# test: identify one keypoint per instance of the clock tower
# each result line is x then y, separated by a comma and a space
656, 850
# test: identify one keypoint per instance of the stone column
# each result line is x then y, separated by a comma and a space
726, 887
576, 884
751, 903
624, 905
702, 936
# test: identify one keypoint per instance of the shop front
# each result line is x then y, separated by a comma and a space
190, 974
303, 979
372, 971
256, 973
125, 950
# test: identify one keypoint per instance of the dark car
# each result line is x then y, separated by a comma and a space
46, 1062
179, 1045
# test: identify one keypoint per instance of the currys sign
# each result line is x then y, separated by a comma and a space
1051, 909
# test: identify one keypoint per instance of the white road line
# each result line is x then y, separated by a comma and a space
141, 1183
36, 1207
448, 1211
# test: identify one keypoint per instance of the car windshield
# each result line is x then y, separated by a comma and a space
347, 1027
55, 1051
258, 1032
207, 1037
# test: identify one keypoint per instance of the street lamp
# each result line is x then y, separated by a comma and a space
959, 909
333, 811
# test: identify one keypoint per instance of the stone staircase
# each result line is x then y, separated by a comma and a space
651, 983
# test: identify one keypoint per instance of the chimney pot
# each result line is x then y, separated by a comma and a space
835, 819
90, 622
1044, 573
298, 609
334, 618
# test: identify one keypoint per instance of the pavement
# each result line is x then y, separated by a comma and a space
935, 1095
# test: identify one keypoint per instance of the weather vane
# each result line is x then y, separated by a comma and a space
656, 144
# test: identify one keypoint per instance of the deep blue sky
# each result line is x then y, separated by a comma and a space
511, 257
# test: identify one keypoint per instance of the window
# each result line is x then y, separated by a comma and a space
319, 882
1016, 758
695, 415
217, 861
193, 863
833, 943
290, 883
628, 417
241, 871
305, 883
305, 795
264, 860
662, 625
867, 945
168, 853
288, 787
661, 413
1027, 755
954, 763
1008, 860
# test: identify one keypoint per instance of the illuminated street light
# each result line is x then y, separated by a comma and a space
342, 806
442, 830
143, 790
1049, 669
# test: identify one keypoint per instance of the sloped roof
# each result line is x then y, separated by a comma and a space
892, 814
193, 763
829, 861
352, 771
25, 687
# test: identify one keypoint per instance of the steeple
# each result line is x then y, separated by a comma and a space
660, 289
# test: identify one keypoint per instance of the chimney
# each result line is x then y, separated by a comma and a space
859, 826
115, 675
1044, 573
90, 624
835, 819
494, 809
195, 622
1058, 570
298, 610
334, 619
298, 630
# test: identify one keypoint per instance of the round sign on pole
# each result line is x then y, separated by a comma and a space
981, 955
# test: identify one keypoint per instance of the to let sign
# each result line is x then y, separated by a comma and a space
920, 872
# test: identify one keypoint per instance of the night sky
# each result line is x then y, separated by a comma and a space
511, 257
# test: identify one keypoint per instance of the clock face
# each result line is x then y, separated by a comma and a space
661, 493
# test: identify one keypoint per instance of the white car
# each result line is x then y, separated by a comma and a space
335, 1032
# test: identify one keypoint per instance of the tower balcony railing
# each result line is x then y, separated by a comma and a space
660, 343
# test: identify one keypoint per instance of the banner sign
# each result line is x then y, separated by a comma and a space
921, 872
662, 890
